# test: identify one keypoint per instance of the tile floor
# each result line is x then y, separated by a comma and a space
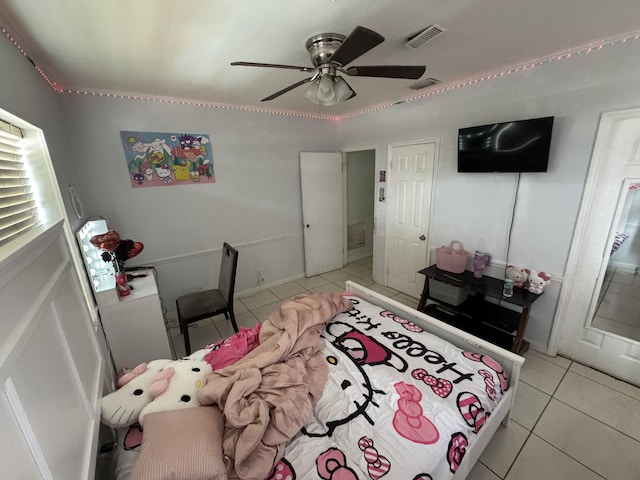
569, 422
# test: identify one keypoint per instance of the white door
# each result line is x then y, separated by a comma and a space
410, 185
322, 211
615, 165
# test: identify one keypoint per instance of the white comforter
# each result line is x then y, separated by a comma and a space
400, 403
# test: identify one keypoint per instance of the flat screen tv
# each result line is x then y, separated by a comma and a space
519, 146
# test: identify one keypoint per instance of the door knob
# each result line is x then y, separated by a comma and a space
422, 237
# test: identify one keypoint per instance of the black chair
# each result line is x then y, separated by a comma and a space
208, 303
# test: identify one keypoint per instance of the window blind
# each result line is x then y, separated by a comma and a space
18, 211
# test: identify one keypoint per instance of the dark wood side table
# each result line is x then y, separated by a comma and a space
486, 319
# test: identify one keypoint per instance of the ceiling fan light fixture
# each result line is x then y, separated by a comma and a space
330, 53
342, 90
327, 90
312, 92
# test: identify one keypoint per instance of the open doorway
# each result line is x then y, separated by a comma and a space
359, 204
338, 198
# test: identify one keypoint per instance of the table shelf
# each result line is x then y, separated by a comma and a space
488, 319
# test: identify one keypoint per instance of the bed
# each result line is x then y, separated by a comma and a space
407, 396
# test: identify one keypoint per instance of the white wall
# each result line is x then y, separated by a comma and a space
256, 202
25, 94
254, 205
48, 344
470, 207
34, 106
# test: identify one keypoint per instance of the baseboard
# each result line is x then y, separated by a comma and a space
625, 266
355, 255
265, 286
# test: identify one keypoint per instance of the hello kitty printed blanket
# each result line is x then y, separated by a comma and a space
399, 403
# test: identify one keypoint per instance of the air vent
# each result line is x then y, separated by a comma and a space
427, 82
356, 235
425, 36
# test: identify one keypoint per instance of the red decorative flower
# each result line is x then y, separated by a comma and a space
107, 241
116, 250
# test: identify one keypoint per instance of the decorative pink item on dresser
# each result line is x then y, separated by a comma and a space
121, 284
481, 261
452, 258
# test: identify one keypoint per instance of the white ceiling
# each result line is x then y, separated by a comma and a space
182, 49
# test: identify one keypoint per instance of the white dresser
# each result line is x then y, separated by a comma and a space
134, 325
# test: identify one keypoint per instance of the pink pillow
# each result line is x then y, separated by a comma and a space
184, 444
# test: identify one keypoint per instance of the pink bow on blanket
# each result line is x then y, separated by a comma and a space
331, 465
457, 448
472, 411
412, 327
408, 420
377, 465
492, 364
440, 386
490, 385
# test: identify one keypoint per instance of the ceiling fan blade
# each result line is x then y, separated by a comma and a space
287, 89
272, 65
359, 42
390, 71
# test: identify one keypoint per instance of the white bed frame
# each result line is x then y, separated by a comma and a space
509, 360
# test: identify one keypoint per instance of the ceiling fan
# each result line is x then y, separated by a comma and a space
330, 53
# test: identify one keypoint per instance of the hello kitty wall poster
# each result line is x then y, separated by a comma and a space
161, 159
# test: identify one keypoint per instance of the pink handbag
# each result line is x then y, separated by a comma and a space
452, 258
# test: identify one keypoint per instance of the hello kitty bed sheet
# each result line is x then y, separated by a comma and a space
400, 403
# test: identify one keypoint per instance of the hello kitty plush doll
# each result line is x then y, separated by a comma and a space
122, 407
176, 386
154, 387
519, 275
538, 281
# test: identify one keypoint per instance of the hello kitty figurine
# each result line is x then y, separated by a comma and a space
519, 275
538, 281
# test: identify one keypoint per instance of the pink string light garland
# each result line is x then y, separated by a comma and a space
557, 57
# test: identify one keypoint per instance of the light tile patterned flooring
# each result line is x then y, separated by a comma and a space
569, 421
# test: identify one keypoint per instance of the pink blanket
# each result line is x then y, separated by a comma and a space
230, 350
267, 396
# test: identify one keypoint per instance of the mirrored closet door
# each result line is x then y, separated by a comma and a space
595, 322
618, 307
